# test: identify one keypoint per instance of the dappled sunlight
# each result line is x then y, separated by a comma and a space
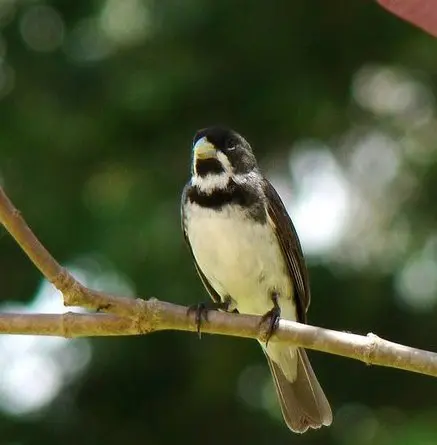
392, 91
347, 203
373, 160
35, 369
322, 197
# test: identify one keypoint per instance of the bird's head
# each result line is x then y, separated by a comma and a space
220, 154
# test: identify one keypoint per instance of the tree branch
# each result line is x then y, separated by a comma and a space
75, 294
159, 316
128, 316
68, 325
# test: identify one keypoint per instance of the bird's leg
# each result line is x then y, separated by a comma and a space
202, 309
273, 316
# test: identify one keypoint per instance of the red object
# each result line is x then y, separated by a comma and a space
422, 13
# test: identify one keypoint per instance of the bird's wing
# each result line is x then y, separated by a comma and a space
291, 249
213, 294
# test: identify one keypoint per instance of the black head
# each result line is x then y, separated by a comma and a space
229, 143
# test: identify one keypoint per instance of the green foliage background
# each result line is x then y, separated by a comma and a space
97, 111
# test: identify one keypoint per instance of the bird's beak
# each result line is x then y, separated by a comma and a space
204, 149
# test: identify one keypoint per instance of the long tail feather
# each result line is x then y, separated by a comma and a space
303, 402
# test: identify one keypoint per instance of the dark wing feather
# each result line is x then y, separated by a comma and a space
213, 294
291, 249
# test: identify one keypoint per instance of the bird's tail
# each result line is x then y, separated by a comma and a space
303, 402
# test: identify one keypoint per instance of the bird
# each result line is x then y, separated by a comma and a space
249, 258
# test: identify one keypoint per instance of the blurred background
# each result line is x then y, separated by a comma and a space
99, 100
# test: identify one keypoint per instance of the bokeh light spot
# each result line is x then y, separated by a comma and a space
125, 22
375, 160
416, 282
391, 91
250, 381
42, 28
321, 203
34, 369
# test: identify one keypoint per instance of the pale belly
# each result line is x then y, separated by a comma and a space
241, 259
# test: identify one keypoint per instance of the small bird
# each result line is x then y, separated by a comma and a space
249, 258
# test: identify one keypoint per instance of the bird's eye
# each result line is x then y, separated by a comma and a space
231, 144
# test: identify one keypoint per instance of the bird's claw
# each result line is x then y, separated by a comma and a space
103, 307
272, 316
201, 310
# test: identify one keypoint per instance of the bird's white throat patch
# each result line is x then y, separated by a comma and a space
211, 182
219, 181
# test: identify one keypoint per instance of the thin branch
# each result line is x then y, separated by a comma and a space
159, 316
75, 294
370, 349
66, 325
136, 316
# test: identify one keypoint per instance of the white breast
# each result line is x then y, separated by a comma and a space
240, 258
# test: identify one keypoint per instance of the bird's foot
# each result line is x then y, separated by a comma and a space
103, 307
272, 316
201, 310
